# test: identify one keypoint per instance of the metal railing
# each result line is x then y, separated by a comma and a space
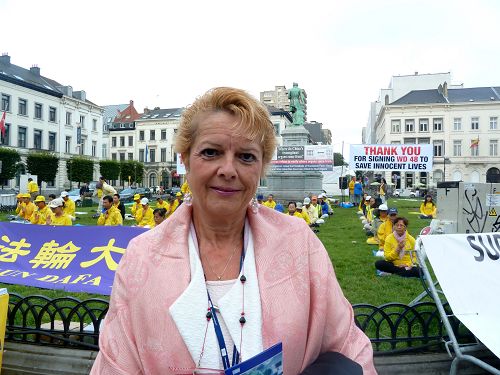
68, 322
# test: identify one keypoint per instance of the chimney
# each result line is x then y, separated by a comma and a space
445, 90
131, 103
146, 110
386, 100
35, 70
5, 58
416, 73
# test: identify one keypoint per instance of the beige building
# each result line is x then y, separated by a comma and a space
460, 123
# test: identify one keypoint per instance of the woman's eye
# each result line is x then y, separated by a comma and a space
209, 152
246, 157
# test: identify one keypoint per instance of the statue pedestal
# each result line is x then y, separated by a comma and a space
294, 186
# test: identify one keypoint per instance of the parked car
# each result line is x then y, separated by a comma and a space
173, 190
127, 195
92, 185
404, 193
74, 195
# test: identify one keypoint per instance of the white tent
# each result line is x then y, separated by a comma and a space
331, 180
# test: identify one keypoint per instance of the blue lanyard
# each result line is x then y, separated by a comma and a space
218, 332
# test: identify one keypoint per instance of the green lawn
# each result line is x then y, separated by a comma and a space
343, 237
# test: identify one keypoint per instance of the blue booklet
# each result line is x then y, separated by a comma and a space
269, 362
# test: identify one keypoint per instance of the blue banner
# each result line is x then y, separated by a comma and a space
72, 258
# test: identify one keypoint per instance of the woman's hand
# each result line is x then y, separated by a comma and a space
48, 221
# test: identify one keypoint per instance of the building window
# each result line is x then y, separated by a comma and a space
457, 123
152, 154
122, 141
424, 141
38, 111
151, 135
23, 105
68, 145
94, 124
395, 126
130, 140
130, 156
5, 102
104, 151
113, 141
423, 125
5, 140
94, 148
438, 148
113, 156
82, 147
37, 139
68, 118
474, 123
409, 141
493, 123
141, 135
52, 141
141, 155
21, 137
409, 126
82, 121
457, 148
163, 134
437, 124
276, 128
52, 114
474, 147
122, 156
493, 147
163, 155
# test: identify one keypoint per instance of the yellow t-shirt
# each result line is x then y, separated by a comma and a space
69, 207
40, 216
271, 204
164, 205
147, 218
32, 187
114, 217
64, 219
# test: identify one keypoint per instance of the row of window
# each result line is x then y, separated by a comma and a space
22, 110
151, 155
38, 144
437, 124
152, 137
439, 149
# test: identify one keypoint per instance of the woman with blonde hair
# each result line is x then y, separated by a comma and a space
216, 284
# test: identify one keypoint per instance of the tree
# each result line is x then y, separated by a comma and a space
338, 160
131, 168
109, 169
9, 159
80, 169
44, 165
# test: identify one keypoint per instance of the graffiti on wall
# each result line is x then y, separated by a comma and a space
476, 214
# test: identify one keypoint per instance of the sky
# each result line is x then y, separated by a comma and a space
165, 53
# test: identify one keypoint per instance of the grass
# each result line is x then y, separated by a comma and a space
345, 241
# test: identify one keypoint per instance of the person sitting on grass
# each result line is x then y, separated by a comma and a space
428, 208
325, 208
361, 205
39, 216
398, 248
379, 218
147, 216
69, 206
386, 227
110, 214
302, 212
58, 217
159, 214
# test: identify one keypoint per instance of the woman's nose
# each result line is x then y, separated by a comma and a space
227, 168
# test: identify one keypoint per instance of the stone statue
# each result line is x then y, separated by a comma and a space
297, 104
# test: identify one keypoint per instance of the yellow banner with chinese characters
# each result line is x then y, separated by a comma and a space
4, 307
72, 258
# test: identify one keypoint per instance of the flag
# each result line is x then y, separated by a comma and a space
2, 125
474, 143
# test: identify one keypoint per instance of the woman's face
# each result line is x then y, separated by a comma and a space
428, 199
400, 227
158, 218
224, 169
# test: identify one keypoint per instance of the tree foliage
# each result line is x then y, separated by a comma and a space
9, 158
109, 169
338, 160
80, 169
131, 168
44, 165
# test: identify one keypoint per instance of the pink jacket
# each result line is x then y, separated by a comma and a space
302, 304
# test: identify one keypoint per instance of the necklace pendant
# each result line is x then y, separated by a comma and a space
219, 278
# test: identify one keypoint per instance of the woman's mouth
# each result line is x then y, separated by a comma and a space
224, 191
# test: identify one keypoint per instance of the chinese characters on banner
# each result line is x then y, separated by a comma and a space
411, 158
76, 259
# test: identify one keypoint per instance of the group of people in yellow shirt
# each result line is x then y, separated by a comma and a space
58, 211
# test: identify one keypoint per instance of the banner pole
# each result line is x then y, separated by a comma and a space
342, 172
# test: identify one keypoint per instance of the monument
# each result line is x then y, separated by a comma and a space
294, 185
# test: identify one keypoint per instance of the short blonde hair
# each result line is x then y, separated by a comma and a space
255, 123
